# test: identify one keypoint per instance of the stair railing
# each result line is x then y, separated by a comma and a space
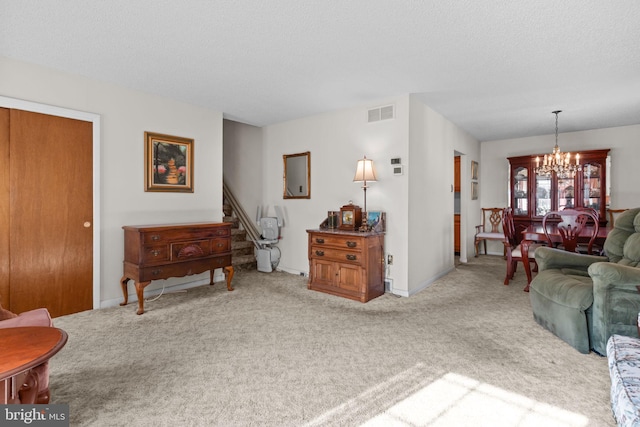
246, 222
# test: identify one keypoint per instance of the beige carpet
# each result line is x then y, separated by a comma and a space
464, 352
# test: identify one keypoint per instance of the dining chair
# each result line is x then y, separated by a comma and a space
514, 251
489, 229
569, 224
587, 220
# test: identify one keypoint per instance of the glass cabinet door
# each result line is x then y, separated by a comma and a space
520, 191
591, 185
543, 195
566, 193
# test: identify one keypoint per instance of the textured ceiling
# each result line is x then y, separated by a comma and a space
495, 68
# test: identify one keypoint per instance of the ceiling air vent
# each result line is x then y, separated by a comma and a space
380, 113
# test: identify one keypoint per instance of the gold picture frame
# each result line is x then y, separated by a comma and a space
474, 190
168, 163
474, 170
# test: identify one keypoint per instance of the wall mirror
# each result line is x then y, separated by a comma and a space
297, 175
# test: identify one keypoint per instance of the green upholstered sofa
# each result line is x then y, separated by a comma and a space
584, 299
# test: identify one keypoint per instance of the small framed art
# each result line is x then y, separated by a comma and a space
376, 221
474, 170
168, 163
474, 190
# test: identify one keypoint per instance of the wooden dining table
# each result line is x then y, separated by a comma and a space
534, 233
24, 348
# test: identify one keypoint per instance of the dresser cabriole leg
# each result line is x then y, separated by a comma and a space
228, 272
123, 283
140, 293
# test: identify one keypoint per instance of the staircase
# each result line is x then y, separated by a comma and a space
243, 257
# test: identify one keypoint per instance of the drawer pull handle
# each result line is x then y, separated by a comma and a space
155, 252
320, 253
220, 245
351, 257
351, 244
156, 272
319, 240
155, 237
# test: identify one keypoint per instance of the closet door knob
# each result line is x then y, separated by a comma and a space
86, 224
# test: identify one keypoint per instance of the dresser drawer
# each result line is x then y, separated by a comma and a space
190, 250
155, 254
151, 237
346, 242
339, 255
180, 269
220, 245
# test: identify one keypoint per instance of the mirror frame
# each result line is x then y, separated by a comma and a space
285, 157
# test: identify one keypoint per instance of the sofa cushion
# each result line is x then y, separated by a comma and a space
617, 246
631, 251
623, 357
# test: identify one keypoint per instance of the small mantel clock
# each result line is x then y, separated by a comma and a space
350, 217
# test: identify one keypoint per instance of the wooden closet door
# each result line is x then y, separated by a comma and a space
51, 213
4, 207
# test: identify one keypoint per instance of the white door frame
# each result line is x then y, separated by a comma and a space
52, 110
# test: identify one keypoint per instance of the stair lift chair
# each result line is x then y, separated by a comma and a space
267, 253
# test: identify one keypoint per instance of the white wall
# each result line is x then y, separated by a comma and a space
125, 116
624, 143
433, 142
337, 140
418, 204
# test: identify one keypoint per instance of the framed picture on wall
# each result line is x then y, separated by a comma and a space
474, 170
474, 190
168, 163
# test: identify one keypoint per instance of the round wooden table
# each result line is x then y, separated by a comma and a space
23, 349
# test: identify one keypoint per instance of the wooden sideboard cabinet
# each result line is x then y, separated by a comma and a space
153, 252
347, 264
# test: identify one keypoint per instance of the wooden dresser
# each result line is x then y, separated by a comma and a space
154, 252
349, 264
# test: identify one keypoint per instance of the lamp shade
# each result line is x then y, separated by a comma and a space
365, 171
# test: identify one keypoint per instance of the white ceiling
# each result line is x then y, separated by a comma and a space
496, 68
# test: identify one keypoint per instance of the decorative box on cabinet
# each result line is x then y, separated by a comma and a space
532, 196
155, 252
347, 264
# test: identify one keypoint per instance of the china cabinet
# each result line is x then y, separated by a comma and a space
532, 196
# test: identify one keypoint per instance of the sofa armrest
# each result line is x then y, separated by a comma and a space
37, 317
611, 274
616, 302
548, 258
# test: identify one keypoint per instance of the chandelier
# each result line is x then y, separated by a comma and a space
557, 161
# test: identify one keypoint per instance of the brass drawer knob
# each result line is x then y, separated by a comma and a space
155, 252
351, 257
351, 244
320, 253
155, 237
319, 240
